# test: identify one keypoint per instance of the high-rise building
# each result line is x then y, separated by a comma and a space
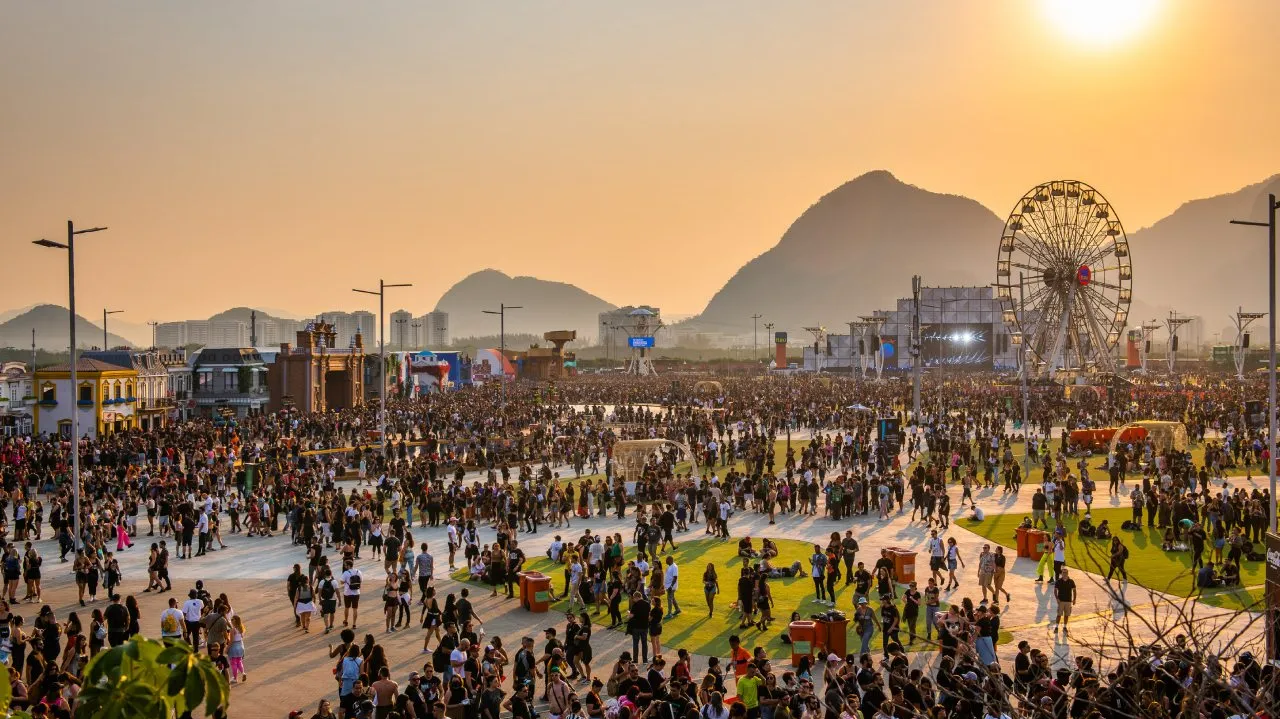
435, 329
400, 331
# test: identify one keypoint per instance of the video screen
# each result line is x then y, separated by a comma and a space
957, 346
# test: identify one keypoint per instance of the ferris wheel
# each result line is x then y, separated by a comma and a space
1064, 276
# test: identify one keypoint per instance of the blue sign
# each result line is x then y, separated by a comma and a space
640, 342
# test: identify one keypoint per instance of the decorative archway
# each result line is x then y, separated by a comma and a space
1164, 435
631, 455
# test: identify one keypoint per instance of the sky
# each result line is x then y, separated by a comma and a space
278, 154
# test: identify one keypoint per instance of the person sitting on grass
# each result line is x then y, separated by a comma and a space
1230, 574
768, 550
976, 514
1207, 578
1086, 528
745, 549
1104, 530
1171, 543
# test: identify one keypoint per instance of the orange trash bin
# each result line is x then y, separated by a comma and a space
904, 564
836, 637
804, 636
535, 591
1021, 534
1037, 544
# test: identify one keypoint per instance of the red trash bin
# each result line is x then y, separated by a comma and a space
1021, 534
804, 635
836, 637
535, 591
904, 564
1038, 544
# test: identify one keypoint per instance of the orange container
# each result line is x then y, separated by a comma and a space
836, 637
904, 564
1038, 544
1022, 533
804, 637
535, 591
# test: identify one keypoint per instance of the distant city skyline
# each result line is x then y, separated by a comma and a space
274, 155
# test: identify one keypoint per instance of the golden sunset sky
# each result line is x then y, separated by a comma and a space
279, 153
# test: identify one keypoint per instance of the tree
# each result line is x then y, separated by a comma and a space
149, 678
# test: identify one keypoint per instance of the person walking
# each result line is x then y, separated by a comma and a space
1119, 553
997, 579
671, 582
235, 648
987, 572
954, 560
638, 626
711, 587
1065, 592
818, 562
864, 621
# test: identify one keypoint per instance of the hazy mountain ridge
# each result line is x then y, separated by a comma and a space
52, 330
854, 251
546, 305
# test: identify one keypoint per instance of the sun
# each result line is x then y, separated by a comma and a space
1100, 22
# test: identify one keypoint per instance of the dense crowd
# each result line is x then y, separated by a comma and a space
188, 484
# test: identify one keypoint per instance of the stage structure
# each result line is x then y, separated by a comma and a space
641, 326
1173, 323
871, 329
1148, 331
819, 339
1242, 321
1067, 241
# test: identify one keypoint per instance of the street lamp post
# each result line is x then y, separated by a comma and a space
382, 354
501, 312
70, 247
105, 344
1270, 224
755, 336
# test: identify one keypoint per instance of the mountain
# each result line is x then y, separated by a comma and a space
10, 314
1195, 262
51, 326
855, 251
242, 314
545, 306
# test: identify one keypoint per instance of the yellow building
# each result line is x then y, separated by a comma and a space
105, 399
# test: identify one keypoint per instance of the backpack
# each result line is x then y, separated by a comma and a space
353, 582
327, 590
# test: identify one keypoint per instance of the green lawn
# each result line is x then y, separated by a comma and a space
1148, 565
700, 634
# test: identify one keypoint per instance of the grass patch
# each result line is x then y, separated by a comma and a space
1148, 565
700, 634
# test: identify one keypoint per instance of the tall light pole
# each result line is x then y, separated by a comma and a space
1270, 224
154, 324
768, 332
382, 354
70, 247
755, 336
501, 312
105, 344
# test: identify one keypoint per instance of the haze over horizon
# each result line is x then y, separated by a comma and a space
422, 142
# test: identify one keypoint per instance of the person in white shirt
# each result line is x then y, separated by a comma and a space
192, 612
556, 549
671, 582
171, 621
351, 581
453, 541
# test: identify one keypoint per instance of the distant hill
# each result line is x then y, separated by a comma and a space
855, 251
546, 306
1195, 262
241, 314
51, 326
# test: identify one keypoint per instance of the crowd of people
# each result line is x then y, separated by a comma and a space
489, 473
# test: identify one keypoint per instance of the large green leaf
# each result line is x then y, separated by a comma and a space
131, 678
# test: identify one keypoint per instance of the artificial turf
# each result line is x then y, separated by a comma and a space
1148, 565
694, 630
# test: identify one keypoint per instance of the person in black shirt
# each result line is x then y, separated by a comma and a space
117, 618
1065, 591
